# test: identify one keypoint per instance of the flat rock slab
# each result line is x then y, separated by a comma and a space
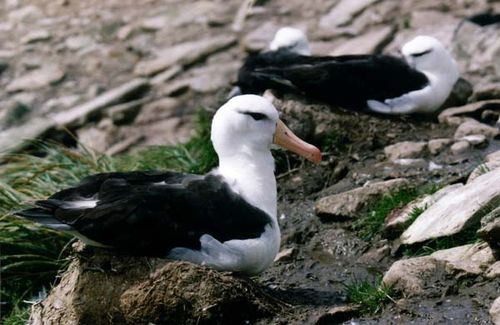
343, 12
183, 54
17, 138
495, 311
79, 114
473, 127
458, 115
347, 204
430, 275
456, 210
396, 222
36, 79
369, 43
405, 149
102, 289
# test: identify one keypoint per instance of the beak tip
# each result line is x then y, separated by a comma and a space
316, 156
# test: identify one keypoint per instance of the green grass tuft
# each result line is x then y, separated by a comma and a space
370, 223
18, 316
371, 297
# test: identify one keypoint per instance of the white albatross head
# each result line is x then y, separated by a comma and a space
428, 55
291, 39
249, 124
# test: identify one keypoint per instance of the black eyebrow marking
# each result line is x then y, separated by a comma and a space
415, 55
256, 116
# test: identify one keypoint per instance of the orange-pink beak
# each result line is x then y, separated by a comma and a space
285, 138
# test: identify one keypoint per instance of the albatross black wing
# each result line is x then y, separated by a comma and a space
149, 213
347, 81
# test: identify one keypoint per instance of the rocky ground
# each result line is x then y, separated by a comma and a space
122, 75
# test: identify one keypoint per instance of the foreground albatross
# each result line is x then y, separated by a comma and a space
225, 219
420, 82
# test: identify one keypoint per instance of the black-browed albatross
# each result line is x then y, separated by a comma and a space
225, 219
419, 82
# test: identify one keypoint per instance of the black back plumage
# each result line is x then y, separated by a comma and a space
347, 81
149, 213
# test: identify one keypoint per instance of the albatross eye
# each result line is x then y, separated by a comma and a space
416, 55
256, 116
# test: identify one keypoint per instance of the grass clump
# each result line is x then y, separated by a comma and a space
371, 297
370, 223
18, 316
32, 255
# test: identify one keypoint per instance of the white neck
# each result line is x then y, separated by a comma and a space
251, 174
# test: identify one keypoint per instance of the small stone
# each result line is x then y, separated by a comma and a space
157, 110
125, 113
154, 23
473, 127
490, 229
75, 43
343, 12
477, 140
338, 314
60, 103
460, 147
36, 36
369, 43
183, 54
487, 91
25, 14
405, 149
458, 115
347, 204
435, 146
286, 255
36, 79
495, 311
94, 138
493, 271
166, 75
124, 32
258, 39
124, 145
472, 258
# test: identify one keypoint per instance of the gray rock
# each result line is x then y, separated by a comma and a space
490, 230
473, 127
36, 79
347, 204
125, 113
95, 138
60, 103
166, 75
369, 43
183, 54
79, 114
405, 149
458, 115
472, 259
493, 271
25, 14
460, 147
14, 139
398, 220
75, 43
12, 114
427, 275
485, 91
435, 146
259, 38
343, 12
482, 169
495, 311
464, 205
124, 145
153, 24
477, 140
36, 36
158, 110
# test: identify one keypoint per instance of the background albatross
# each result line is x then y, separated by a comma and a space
225, 219
420, 82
